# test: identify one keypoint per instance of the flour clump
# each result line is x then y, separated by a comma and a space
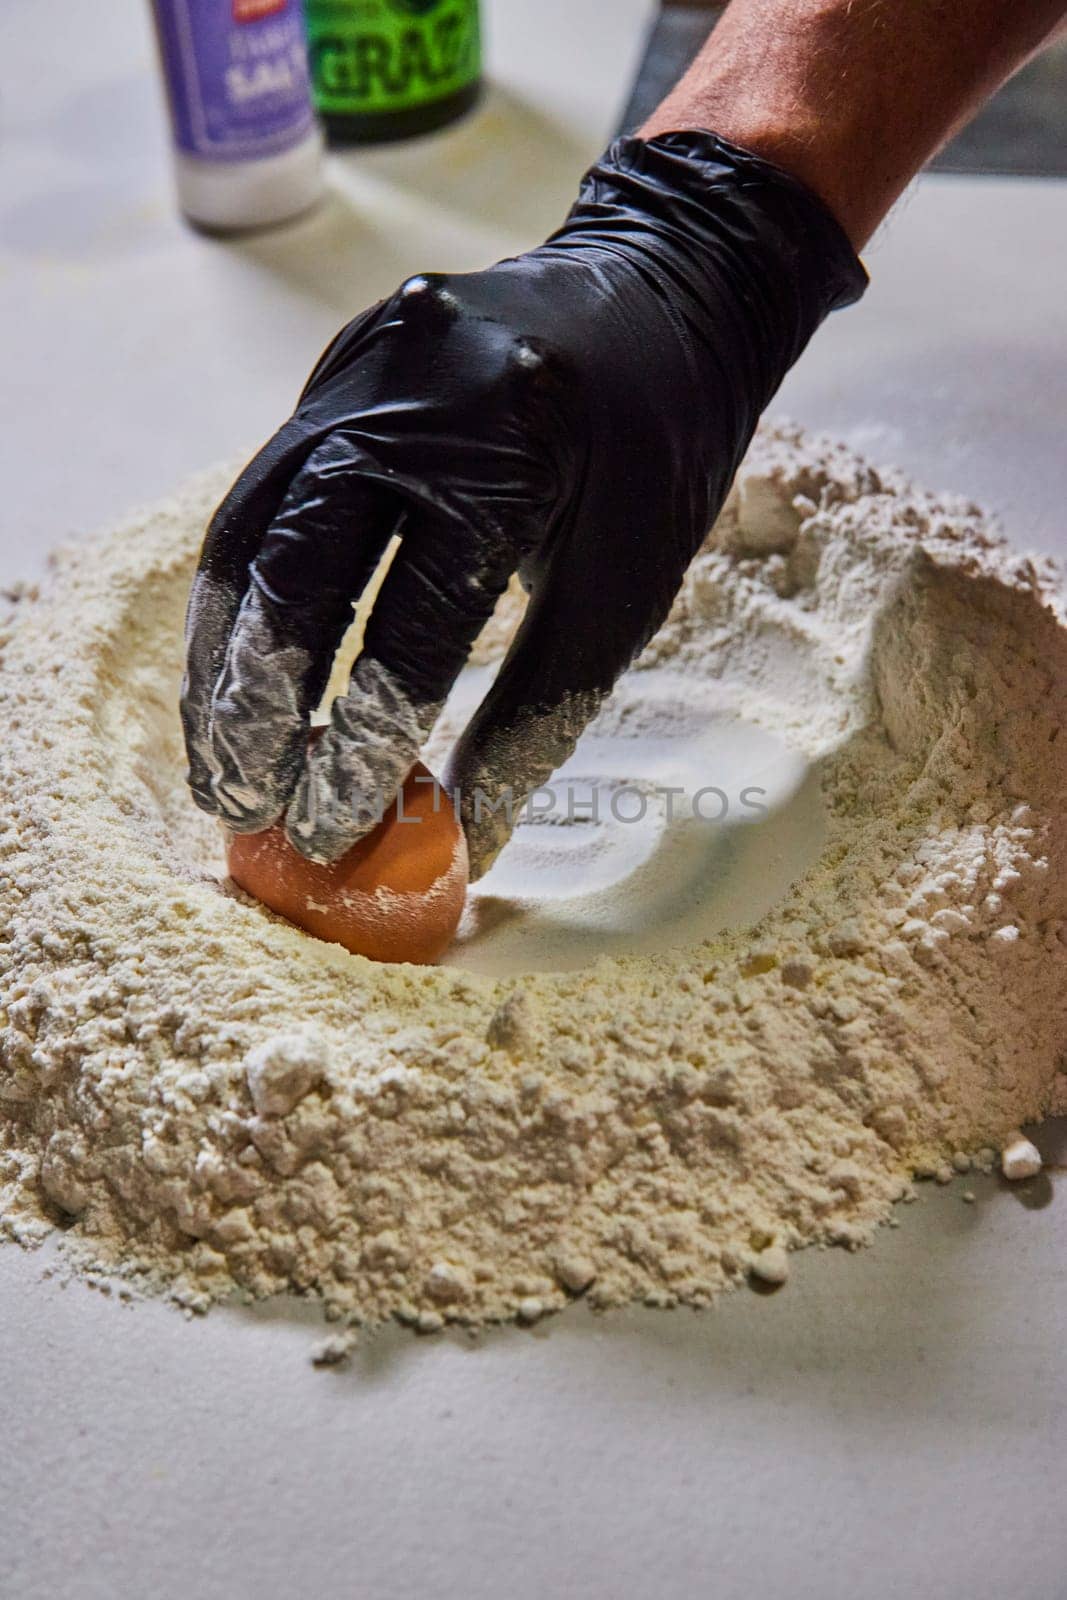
280, 1071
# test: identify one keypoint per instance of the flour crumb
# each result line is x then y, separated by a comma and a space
770, 1266
575, 1272
1020, 1158
336, 1351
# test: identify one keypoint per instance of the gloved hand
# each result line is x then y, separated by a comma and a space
576, 414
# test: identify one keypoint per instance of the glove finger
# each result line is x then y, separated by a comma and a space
233, 540
439, 592
219, 586
572, 646
315, 559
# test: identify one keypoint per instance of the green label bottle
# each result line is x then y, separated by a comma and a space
390, 69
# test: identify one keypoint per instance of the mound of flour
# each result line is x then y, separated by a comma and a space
203, 1098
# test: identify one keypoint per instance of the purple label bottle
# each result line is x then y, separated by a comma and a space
247, 148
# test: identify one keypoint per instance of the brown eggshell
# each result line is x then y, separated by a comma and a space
397, 895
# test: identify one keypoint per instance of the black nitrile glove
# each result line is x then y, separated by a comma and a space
577, 414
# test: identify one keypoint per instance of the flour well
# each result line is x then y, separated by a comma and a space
205, 1099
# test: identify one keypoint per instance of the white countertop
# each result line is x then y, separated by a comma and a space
890, 1423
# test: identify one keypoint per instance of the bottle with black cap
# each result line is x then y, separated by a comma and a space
392, 69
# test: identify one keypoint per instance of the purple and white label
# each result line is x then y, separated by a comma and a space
237, 75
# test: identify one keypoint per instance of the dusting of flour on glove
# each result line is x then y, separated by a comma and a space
205, 1099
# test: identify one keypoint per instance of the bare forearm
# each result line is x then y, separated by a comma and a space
853, 96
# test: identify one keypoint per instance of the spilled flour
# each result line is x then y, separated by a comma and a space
204, 1099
